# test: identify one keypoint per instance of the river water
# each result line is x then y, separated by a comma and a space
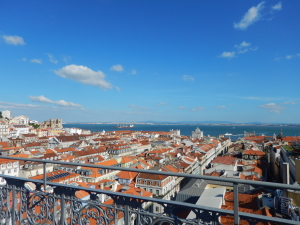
212, 130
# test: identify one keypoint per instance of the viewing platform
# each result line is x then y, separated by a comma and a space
30, 201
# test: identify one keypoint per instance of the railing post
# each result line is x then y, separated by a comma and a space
7, 215
126, 212
13, 211
62, 209
44, 172
236, 203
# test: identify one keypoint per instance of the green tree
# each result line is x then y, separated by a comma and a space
35, 126
1, 115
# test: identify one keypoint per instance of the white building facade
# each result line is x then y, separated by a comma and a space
3, 129
20, 120
197, 134
8, 167
6, 114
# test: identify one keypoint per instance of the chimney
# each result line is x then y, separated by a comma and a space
114, 186
286, 177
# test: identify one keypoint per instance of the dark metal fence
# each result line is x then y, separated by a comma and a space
59, 204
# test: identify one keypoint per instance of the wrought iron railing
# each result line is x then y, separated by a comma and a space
20, 205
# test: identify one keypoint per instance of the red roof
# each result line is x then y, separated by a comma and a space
253, 152
225, 160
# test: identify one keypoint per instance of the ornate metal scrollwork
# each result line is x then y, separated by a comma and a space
39, 208
34, 206
93, 212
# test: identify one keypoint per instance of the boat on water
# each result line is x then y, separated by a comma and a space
124, 126
228, 134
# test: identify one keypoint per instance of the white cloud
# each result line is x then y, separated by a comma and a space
289, 103
84, 75
277, 7
13, 40
39, 61
251, 16
240, 49
288, 57
52, 59
188, 78
138, 107
23, 59
118, 68
9, 105
198, 109
292, 56
221, 107
162, 103
64, 103
40, 99
133, 72
117, 88
272, 107
58, 102
132, 112
227, 55
66, 58
243, 45
181, 107
260, 98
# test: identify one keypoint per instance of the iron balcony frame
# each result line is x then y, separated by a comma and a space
130, 206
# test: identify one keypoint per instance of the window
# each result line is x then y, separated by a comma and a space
150, 190
138, 181
145, 182
156, 208
8, 171
157, 192
151, 183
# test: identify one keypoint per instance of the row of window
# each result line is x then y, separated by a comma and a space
72, 179
151, 183
8, 171
9, 164
151, 190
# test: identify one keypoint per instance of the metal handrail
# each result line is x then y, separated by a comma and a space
235, 182
163, 201
204, 177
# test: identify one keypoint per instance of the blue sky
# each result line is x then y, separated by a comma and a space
139, 60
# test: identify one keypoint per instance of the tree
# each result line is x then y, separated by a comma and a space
1, 115
35, 126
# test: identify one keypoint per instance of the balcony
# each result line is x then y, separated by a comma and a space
24, 201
